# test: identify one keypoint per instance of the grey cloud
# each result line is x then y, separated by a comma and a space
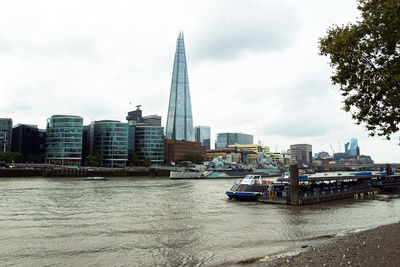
68, 46
244, 26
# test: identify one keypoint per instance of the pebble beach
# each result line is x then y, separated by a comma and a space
374, 247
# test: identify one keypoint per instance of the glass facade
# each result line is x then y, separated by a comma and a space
5, 134
226, 139
149, 143
203, 135
110, 139
28, 140
352, 148
301, 154
179, 120
64, 140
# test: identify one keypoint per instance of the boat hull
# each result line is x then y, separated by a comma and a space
243, 196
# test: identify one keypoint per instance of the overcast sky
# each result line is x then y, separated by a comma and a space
253, 66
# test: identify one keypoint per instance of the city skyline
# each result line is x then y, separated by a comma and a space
255, 67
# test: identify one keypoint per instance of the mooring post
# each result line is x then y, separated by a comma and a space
388, 169
294, 185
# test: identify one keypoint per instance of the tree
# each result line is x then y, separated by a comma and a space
133, 159
147, 162
194, 157
366, 58
9, 157
93, 160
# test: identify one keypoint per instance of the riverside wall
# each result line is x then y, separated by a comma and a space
81, 172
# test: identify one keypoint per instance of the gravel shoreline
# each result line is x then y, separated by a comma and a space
374, 247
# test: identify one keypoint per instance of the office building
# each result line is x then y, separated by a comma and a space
175, 150
149, 143
5, 134
226, 139
203, 135
179, 120
110, 139
301, 154
152, 120
64, 140
28, 140
135, 115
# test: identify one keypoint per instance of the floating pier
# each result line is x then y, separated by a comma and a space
317, 189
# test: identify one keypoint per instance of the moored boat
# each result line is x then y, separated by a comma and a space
94, 178
250, 188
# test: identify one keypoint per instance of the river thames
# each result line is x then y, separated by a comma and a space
148, 222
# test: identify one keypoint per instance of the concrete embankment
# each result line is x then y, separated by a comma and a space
67, 172
375, 247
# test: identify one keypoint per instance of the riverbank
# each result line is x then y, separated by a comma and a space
82, 172
374, 247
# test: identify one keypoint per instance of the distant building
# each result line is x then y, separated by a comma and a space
322, 155
301, 154
28, 140
87, 142
352, 147
110, 139
135, 115
226, 139
5, 134
175, 150
152, 120
149, 143
179, 119
203, 135
64, 140
145, 137
246, 154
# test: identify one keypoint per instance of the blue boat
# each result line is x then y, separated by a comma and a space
250, 188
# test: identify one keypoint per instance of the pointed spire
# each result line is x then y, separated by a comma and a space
179, 120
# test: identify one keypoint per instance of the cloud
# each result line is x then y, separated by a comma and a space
238, 27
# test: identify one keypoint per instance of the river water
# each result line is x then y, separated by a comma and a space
161, 222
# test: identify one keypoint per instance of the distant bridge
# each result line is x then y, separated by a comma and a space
356, 166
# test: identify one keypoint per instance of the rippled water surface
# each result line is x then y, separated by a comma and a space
147, 222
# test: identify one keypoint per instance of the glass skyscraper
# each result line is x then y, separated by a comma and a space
203, 135
352, 148
179, 120
64, 140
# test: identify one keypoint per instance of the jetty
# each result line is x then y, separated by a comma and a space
299, 190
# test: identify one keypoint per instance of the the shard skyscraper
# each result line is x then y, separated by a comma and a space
179, 120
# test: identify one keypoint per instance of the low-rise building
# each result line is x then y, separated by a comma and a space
175, 150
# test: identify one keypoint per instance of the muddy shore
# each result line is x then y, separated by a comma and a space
374, 247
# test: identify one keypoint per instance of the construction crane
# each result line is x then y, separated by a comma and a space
333, 152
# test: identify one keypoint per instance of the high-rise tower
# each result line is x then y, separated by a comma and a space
179, 120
